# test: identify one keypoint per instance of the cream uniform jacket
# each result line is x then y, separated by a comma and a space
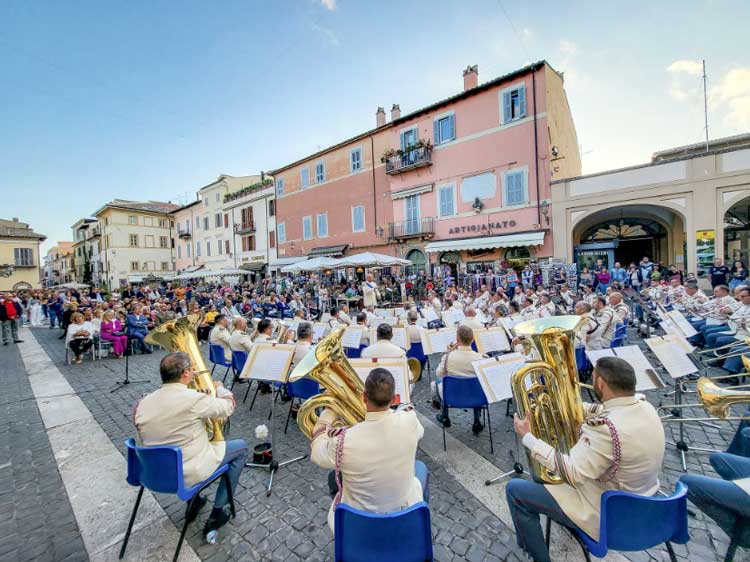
300, 350
382, 349
175, 415
220, 336
472, 322
240, 341
458, 362
370, 293
377, 460
587, 469
414, 333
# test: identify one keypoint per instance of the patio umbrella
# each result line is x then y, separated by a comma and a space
73, 285
314, 264
371, 259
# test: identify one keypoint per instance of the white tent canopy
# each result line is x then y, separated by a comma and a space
314, 264
370, 259
73, 285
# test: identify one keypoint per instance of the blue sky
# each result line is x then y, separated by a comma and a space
153, 99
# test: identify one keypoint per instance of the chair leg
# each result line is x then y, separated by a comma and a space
507, 407
489, 427
670, 550
130, 524
585, 550
184, 529
445, 448
213, 369
230, 493
225, 375
257, 390
729, 557
289, 415
548, 532
249, 384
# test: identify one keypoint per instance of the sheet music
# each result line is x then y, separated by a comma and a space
352, 336
646, 377
385, 312
453, 316
595, 354
495, 375
421, 322
491, 339
429, 313
398, 367
391, 321
399, 338
679, 320
268, 362
326, 317
509, 322
668, 326
437, 341
680, 340
672, 356
318, 331
482, 317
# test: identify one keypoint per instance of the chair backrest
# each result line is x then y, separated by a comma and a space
621, 330
303, 388
353, 352
216, 354
157, 468
238, 361
417, 352
582, 362
359, 536
463, 392
631, 522
617, 342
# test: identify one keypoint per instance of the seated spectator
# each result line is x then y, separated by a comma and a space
79, 336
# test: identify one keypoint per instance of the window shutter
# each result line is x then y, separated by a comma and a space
226, 220
522, 100
506, 107
271, 239
403, 140
452, 121
436, 125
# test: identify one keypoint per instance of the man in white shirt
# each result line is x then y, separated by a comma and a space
304, 342
220, 335
265, 331
588, 333
546, 306
413, 331
471, 319
362, 323
620, 309
607, 321
717, 314
176, 415
383, 347
370, 292
620, 449
343, 315
240, 339
373, 462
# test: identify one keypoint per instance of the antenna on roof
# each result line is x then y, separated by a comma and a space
705, 101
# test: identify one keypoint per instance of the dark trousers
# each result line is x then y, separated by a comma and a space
79, 346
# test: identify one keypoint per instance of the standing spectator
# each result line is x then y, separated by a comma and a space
527, 277
646, 268
54, 306
603, 278
586, 277
674, 272
8, 316
738, 275
619, 274
718, 273
634, 279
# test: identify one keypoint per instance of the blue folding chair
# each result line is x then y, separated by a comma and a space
359, 536
466, 392
160, 470
239, 358
629, 522
621, 331
216, 356
354, 352
617, 342
417, 352
302, 390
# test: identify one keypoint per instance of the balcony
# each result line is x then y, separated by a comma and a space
184, 234
415, 228
245, 228
402, 161
95, 232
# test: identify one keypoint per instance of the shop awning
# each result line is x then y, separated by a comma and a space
328, 251
253, 266
487, 242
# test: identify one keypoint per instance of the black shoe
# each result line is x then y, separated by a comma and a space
147, 351
444, 420
218, 518
265, 388
62, 337
195, 509
477, 427
436, 404
17, 341
5, 343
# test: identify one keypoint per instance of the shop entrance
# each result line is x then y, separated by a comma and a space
737, 232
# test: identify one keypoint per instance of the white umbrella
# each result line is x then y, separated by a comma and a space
73, 285
371, 259
314, 264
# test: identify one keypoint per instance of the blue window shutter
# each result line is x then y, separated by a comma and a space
506, 107
436, 126
403, 140
522, 100
452, 121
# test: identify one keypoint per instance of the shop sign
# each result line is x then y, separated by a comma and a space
482, 228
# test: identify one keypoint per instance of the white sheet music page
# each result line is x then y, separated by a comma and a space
672, 356
399, 338
318, 331
595, 354
646, 377
495, 375
352, 336
679, 320
491, 339
437, 341
509, 322
398, 367
268, 362
429, 313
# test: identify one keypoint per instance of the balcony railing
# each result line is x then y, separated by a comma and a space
96, 231
415, 228
409, 160
245, 228
184, 234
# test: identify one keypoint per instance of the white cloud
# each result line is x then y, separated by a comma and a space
328, 4
677, 93
692, 67
733, 94
568, 48
527, 35
327, 33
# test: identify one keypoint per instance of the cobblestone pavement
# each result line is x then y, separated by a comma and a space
291, 523
37, 521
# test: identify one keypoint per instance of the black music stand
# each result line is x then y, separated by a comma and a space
119, 385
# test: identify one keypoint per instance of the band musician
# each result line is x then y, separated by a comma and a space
621, 448
175, 415
373, 462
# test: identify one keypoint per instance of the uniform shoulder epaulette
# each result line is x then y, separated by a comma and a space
596, 421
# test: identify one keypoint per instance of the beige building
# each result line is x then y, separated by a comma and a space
137, 241
86, 249
58, 265
686, 207
19, 255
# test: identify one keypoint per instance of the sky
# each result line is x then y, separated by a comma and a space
152, 99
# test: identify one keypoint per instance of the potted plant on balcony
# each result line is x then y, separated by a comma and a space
388, 154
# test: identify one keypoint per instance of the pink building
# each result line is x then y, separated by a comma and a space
184, 221
462, 183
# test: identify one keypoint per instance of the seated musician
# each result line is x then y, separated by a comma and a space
413, 332
693, 301
622, 448
717, 314
265, 331
457, 362
546, 307
740, 321
528, 309
588, 333
342, 315
373, 462
220, 335
620, 309
303, 343
383, 347
470, 319
175, 415
362, 322
607, 321
240, 340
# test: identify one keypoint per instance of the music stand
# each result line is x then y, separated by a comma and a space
127, 381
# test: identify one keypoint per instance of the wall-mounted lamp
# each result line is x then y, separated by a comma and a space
379, 231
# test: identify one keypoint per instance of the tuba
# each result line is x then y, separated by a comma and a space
329, 367
180, 335
549, 389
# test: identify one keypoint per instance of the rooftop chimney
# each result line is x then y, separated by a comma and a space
471, 77
395, 112
380, 117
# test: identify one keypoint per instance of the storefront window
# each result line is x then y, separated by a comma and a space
517, 258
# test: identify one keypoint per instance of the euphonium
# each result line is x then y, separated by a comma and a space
548, 389
180, 335
328, 365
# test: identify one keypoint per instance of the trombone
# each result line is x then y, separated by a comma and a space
715, 400
745, 342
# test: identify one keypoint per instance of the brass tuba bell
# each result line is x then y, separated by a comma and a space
180, 335
327, 364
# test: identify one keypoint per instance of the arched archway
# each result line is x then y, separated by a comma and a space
418, 262
627, 233
737, 232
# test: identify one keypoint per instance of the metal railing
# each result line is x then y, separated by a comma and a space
424, 227
245, 228
409, 160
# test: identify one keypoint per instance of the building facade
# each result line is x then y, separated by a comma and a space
185, 224
464, 182
686, 207
137, 240
58, 265
86, 250
19, 256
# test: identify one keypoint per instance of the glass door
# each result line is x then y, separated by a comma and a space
408, 138
411, 214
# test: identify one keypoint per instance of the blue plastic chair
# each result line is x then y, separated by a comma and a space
354, 352
617, 342
629, 522
466, 392
160, 470
621, 331
216, 356
358, 535
302, 390
417, 352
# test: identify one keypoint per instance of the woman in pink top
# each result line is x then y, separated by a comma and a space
111, 330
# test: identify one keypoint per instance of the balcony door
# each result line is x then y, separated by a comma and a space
411, 214
408, 138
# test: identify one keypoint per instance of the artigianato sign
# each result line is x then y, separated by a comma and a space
483, 228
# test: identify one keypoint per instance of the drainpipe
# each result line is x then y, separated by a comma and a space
536, 154
374, 195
